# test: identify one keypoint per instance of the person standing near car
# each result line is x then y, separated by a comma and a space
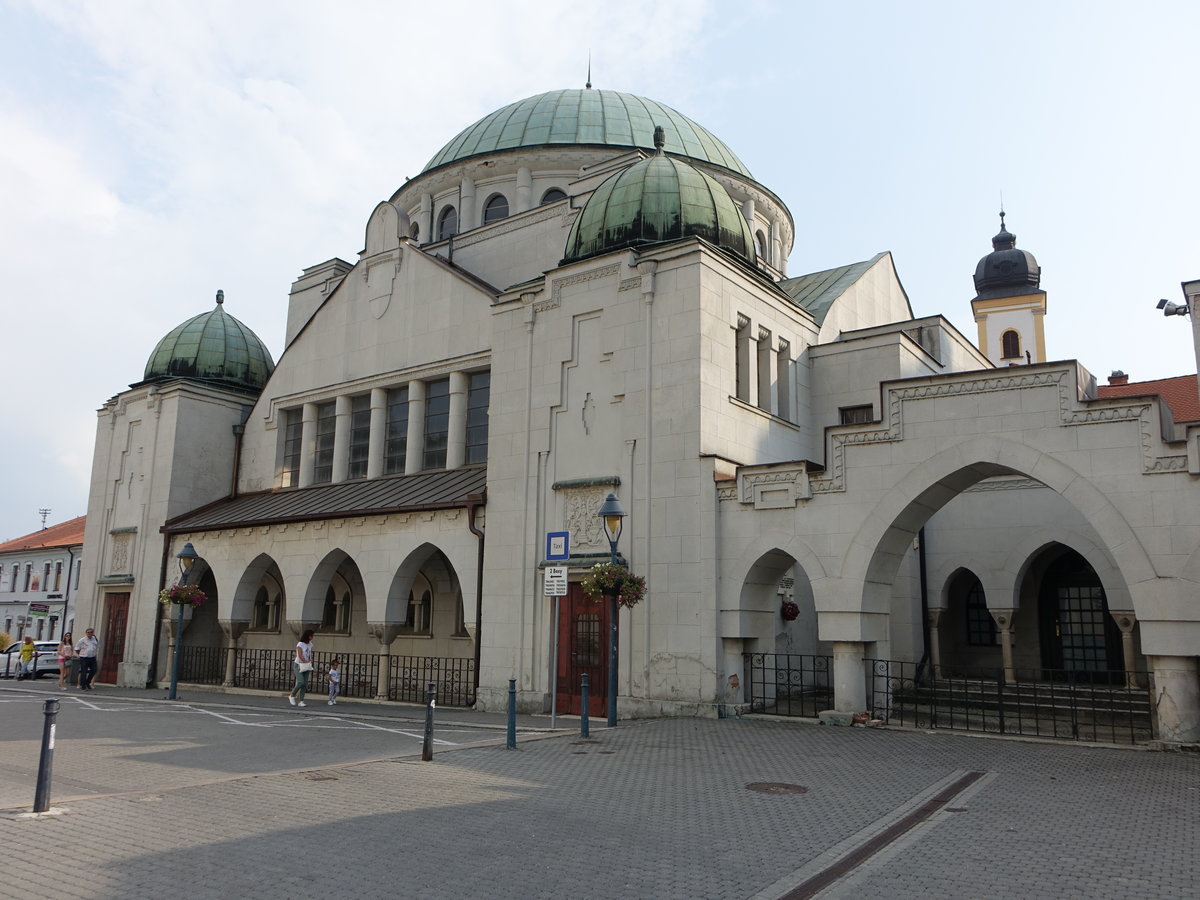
28, 654
302, 666
86, 650
66, 660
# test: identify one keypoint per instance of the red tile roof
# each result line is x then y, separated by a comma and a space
1180, 393
65, 534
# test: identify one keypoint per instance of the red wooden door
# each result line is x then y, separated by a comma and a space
582, 647
112, 638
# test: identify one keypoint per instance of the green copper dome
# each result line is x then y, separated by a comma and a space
586, 117
214, 347
658, 199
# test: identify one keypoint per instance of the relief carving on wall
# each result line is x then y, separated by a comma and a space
587, 529
119, 557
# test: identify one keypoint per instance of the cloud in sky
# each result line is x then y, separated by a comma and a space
155, 152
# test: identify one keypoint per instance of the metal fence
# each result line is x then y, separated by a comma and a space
1108, 707
271, 670
789, 684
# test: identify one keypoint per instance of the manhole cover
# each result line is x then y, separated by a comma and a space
776, 787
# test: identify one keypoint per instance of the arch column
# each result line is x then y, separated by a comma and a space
1003, 619
415, 442
341, 438
378, 441
524, 189
1126, 619
466, 205
456, 439
234, 629
308, 443
386, 633
933, 616
849, 677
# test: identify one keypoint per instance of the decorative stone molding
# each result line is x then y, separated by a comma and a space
629, 284
118, 560
776, 488
233, 628
1005, 484
384, 632
557, 285
1070, 415
579, 516
298, 626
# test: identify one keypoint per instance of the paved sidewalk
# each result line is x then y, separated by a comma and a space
650, 809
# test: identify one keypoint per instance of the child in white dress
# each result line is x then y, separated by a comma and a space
335, 681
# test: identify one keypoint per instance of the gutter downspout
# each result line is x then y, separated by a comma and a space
474, 501
158, 620
239, 432
67, 591
924, 663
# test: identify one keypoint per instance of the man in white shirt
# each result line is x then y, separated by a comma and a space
86, 649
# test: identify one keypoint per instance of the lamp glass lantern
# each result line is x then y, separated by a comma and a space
187, 558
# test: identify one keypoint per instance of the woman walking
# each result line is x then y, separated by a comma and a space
66, 660
302, 666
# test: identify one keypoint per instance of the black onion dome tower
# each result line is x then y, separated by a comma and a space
1006, 271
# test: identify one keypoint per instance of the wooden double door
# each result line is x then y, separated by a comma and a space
112, 636
582, 648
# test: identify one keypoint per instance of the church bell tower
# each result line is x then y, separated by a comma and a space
1009, 305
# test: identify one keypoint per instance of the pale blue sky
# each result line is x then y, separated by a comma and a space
155, 152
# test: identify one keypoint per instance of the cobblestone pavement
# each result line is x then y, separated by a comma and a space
651, 809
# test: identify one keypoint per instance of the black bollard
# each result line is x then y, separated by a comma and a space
41, 796
430, 703
512, 714
583, 697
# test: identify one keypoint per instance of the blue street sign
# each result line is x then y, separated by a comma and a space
558, 545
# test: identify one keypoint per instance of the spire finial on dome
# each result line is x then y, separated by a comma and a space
589, 80
660, 139
220, 297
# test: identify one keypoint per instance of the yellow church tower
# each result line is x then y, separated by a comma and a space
1009, 306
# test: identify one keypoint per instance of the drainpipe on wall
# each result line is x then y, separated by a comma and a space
924, 663
474, 501
239, 431
162, 583
67, 592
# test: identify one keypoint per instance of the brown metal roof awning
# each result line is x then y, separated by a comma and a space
442, 489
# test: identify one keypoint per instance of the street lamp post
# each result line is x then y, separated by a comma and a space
187, 558
613, 514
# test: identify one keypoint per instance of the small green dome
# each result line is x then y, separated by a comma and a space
586, 117
655, 200
214, 347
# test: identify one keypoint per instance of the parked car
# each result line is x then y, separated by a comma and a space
45, 659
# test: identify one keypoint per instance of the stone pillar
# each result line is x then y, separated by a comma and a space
1126, 619
849, 677
416, 428
524, 190
933, 617
425, 218
341, 438
1177, 697
456, 440
234, 629
1003, 618
385, 632
466, 205
308, 443
378, 445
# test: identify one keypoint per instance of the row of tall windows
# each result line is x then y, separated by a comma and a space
436, 427
495, 209
32, 582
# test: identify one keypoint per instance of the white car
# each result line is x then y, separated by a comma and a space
45, 659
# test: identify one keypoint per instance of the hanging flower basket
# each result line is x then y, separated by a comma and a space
183, 594
789, 611
607, 580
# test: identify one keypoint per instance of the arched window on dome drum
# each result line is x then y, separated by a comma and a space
447, 223
552, 196
1010, 345
495, 209
415, 231
760, 245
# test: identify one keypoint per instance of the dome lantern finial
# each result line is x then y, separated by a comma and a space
220, 297
588, 85
660, 139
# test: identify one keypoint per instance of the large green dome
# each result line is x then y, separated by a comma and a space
213, 347
586, 117
658, 199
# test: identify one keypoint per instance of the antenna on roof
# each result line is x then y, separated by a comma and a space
589, 81
43, 513
1001, 210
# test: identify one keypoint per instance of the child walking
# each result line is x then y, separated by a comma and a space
335, 681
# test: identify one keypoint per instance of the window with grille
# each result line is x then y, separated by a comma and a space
981, 627
495, 209
360, 436
856, 415
323, 457
293, 429
447, 223
478, 393
396, 442
437, 423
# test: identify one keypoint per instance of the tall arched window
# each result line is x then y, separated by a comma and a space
495, 209
552, 196
447, 223
415, 232
760, 245
1010, 345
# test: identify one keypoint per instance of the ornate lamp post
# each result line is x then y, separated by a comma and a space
613, 514
187, 558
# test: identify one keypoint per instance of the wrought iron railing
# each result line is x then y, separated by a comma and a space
788, 684
1107, 707
271, 670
